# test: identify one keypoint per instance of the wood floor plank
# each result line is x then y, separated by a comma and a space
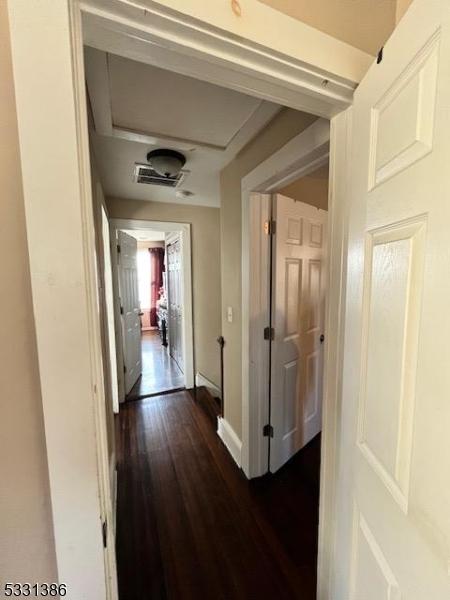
190, 525
160, 371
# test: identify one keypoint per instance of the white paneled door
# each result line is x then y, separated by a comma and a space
129, 303
175, 297
298, 306
393, 517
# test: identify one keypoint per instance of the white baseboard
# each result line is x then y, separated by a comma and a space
230, 439
201, 380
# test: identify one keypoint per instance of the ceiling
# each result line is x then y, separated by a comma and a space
136, 107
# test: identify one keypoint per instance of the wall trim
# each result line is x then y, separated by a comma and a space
202, 381
231, 440
304, 69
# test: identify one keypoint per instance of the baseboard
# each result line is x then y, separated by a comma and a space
202, 381
230, 439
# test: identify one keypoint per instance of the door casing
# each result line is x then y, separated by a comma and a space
53, 131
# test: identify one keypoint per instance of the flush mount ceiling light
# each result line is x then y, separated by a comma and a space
166, 162
183, 194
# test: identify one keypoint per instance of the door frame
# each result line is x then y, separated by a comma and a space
306, 152
304, 69
184, 230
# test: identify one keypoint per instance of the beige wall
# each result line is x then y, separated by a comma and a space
402, 7
205, 231
287, 124
312, 189
365, 24
27, 551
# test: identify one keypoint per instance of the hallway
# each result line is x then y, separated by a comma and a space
159, 370
191, 526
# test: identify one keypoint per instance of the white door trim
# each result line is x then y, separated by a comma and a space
284, 63
305, 69
184, 229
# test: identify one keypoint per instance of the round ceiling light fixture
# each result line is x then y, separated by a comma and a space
166, 162
183, 194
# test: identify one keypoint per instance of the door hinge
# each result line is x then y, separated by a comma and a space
105, 533
270, 227
118, 249
268, 431
124, 368
269, 333
121, 309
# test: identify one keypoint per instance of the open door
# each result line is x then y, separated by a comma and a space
175, 298
393, 516
298, 306
129, 308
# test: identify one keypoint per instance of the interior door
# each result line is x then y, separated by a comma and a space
130, 309
393, 516
298, 306
175, 297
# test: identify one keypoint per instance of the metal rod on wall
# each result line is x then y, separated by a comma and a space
221, 342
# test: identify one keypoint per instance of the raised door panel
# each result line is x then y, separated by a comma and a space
293, 279
403, 120
372, 576
391, 306
313, 306
290, 393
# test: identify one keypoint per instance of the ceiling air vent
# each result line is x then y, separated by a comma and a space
145, 174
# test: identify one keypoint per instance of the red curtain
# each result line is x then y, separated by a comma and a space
156, 270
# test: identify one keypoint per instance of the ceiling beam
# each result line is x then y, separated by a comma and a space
97, 81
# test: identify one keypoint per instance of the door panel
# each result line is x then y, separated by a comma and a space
129, 298
298, 319
393, 517
175, 296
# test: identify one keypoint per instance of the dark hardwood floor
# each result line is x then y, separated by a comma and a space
190, 525
159, 370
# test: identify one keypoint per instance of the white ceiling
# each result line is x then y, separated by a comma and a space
137, 107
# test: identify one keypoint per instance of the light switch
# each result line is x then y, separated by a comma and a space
230, 314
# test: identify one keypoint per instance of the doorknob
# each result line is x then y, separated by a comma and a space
322, 338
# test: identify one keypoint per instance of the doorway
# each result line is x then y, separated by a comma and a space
153, 313
160, 322
297, 316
